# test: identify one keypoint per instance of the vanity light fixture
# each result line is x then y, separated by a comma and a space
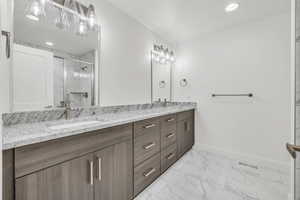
72, 13
162, 55
172, 56
43, 2
91, 15
82, 28
232, 7
35, 9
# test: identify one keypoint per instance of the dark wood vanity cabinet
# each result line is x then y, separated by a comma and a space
91, 177
159, 143
114, 174
92, 166
109, 164
185, 132
70, 180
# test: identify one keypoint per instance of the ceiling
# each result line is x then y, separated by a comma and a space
182, 20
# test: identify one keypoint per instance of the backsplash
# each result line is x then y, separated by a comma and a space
58, 114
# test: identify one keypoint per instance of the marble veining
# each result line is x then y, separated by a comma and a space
204, 175
21, 134
58, 114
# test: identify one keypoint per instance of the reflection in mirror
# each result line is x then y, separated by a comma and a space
55, 55
162, 60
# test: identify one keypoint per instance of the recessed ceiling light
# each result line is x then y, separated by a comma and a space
49, 44
232, 7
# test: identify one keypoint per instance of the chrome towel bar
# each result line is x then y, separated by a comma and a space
233, 95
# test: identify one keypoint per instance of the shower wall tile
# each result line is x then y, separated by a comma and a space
204, 175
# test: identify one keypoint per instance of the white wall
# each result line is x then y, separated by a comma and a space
253, 57
125, 68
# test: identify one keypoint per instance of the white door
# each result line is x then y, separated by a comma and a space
32, 78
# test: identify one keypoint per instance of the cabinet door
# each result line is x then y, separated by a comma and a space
67, 181
114, 169
185, 133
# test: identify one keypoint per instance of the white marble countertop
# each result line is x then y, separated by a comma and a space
25, 134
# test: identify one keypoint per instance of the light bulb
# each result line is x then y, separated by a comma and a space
167, 56
172, 56
162, 61
91, 22
49, 43
34, 10
232, 7
43, 2
82, 28
91, 16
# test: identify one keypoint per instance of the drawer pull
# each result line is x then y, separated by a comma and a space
170, 156
151, 171
149, 126
149, 146
99, 169
91, 165
171, 119
170, 135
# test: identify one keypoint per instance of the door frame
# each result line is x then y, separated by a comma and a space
1, 65
293, 95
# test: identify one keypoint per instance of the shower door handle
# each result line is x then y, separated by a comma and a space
293, 149
7, 48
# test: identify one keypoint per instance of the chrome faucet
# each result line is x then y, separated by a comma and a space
68, 107
165, 102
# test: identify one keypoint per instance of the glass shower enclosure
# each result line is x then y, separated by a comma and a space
73, 81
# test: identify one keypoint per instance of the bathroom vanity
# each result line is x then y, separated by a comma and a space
113, 160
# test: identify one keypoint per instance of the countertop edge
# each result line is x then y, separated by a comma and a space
45, 138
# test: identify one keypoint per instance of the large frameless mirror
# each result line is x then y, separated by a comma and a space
55, 55
161, 67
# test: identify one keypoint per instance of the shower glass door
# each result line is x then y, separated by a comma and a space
79, 77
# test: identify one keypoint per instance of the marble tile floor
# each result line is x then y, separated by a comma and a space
201, 175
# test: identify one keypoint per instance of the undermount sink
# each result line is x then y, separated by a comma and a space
72, 125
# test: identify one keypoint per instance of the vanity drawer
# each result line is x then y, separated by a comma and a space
168, 120
32, 158
146, 173
168, 157
168, 136
146, 127
146, 146
185, 115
